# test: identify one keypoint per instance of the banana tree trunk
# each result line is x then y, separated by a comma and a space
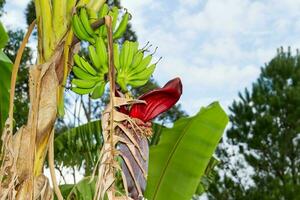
25, 151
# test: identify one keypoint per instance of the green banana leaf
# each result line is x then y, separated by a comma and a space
3, 36
83, 190
79, 145
179, 160
208, 176
5, 71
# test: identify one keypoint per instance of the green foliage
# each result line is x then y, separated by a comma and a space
179, 160
79, 146
83, 190
208, 177
22, 88
3, 36
5, 71
30, 12
265, 127
2, 2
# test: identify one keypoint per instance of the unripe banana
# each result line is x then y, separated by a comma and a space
78, 63
122, 27
124, 58
98, 90
82, 90
103, 11
114, 13
141, 79
138, 57
93, 15
122, 82
88, 67
138, 83
81, 74
101, 51
94, 57
133, 47
86, 23
83, 83
116, 57
80, 31
142, 66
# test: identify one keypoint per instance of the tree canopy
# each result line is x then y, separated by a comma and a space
265, 127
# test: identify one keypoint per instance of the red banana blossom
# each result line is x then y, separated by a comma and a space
157, 101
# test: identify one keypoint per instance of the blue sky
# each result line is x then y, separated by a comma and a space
216, 46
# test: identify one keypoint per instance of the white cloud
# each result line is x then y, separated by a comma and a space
14, 17
216, 47
18, 3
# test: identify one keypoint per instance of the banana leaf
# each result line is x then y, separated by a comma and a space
180, 159
5, 71
79, 145
208, 176
83, 190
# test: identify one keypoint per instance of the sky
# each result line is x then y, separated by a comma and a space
216, 47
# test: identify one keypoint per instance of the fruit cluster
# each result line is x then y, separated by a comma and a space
133, 67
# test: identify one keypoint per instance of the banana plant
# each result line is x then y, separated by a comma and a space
24, 152
5, 71
126, 121
121, 168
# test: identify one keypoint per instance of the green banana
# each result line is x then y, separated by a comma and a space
122, 55
103, 11
78, 63
79, 73
114, 13
86, 23
133, 46
138, 57
94, 57
98, 90
122, 27
88, 67
82, 90
116, 56
122, 82
79, 30
138, 83
142, 66
126, 50
84, 83
132, 67
93, 15
145, 74
101, 51
140, 79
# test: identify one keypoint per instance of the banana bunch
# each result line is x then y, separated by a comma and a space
114, 13
83, 19
82, 28
133, 67
91, 78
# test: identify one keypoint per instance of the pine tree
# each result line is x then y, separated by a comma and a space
265, 128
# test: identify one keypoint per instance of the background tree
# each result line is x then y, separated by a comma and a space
2, 2
265, 127
22, 90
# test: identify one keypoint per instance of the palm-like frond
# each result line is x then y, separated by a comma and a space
79, 146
